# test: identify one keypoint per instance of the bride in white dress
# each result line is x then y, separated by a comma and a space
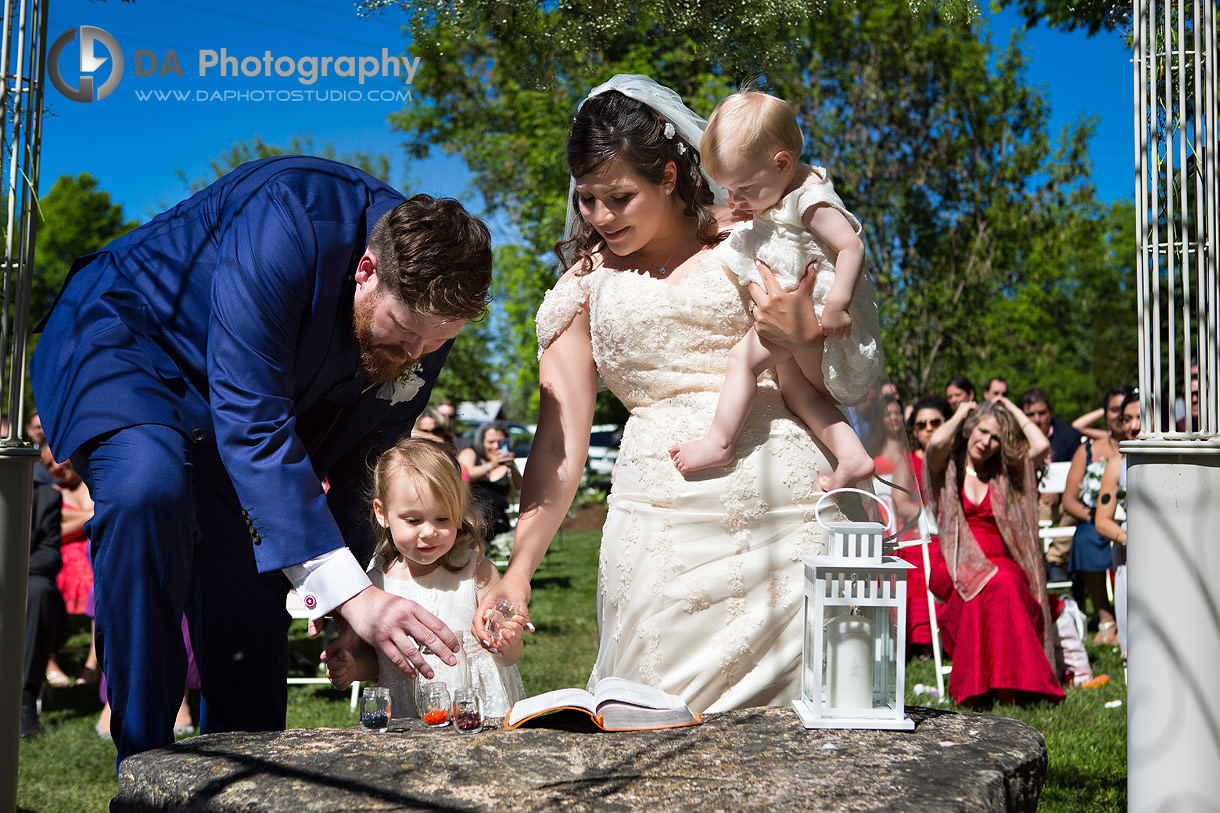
699, 584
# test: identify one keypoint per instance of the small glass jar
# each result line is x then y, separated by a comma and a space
498, 615
375, 708
468, 710
437, 707
420, 693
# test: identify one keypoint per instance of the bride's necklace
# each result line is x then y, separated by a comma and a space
970, 471
664, 270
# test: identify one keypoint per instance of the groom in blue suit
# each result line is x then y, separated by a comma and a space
207, 373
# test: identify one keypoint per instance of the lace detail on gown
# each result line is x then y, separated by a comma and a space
697, 576
559, 306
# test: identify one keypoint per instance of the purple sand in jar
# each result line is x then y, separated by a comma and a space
375, 719
469, 720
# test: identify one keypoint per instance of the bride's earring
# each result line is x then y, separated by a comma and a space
669, 190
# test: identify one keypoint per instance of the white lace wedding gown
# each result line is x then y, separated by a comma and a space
699, 583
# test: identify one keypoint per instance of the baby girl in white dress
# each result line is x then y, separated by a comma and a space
750, 148
430, 551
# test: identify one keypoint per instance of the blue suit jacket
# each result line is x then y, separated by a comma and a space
230, 318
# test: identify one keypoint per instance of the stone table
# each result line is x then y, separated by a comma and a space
754, 759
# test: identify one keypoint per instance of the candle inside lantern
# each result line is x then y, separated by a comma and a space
849, 662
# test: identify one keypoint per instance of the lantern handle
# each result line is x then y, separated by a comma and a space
817, 509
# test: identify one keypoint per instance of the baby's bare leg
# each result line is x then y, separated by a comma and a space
748, 358
809, 402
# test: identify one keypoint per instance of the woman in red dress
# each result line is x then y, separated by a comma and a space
997, 623
76, 576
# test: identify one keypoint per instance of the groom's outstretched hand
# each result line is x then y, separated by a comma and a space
512, 589
396, 626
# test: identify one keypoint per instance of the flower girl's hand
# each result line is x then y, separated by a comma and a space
836, 323
341, 670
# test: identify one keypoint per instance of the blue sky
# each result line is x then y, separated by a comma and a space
136, 147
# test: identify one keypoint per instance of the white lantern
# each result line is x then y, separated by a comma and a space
854, 658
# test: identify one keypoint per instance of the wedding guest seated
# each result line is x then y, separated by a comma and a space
432, 425
958, 390
493, 476
33, 428
1112, 495
1090, 556
885, 440
1064, 438
44, 606
1194, 402
994, 389
996, 625
76, 576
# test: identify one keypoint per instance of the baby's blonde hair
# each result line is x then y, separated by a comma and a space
748, 123
433, 468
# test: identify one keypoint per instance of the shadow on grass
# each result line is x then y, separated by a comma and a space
71, 703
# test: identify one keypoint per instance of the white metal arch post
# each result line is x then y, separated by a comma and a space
1174, 470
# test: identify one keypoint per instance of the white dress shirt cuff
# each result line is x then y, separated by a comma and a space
326, 581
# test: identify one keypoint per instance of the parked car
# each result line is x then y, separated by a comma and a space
604, 440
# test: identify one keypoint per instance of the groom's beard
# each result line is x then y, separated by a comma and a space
378, 365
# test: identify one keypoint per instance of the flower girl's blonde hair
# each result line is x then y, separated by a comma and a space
433, 468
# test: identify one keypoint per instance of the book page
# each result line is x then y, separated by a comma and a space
628, 691
550, 701
617, 716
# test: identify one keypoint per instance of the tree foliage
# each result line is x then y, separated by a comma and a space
1093, 16
241, 152
991, 254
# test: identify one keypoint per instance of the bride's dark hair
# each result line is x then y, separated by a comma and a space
614, 127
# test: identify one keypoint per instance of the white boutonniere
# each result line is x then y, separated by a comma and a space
403, 388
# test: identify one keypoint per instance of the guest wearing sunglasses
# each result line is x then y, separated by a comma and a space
926, 415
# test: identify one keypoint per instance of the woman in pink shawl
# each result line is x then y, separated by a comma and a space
997, 623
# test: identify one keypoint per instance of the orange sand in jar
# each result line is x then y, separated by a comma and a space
436, 717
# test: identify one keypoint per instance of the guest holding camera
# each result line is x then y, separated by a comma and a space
493, 477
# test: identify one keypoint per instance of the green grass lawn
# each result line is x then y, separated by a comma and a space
70, 769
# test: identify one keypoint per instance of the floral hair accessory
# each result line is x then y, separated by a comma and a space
669, 133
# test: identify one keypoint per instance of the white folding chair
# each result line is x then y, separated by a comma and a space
296, 609
927, 529
1053, 481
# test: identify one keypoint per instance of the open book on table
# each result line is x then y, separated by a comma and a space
616, 704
